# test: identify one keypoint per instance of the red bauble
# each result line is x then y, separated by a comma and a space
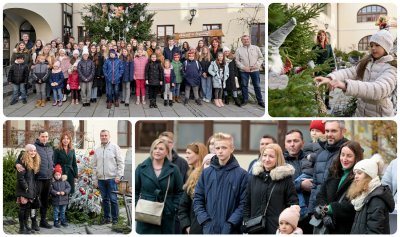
78, 161
85, 179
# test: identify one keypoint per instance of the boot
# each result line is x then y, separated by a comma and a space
43, 104
186, 101
226, 100
178, 99
108, 105
198, 102
151, 103
155, 103
38, 103
45, 224
237, 102
21, 218
144, 100
35, 225
165, 102
27, 214
170, 103
216, 102
116, 103
137, 100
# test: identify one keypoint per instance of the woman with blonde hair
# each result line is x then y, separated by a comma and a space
270, 189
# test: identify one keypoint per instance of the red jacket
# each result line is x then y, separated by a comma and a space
73, 80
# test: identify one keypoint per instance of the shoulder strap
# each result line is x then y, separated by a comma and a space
166, 191
269, 199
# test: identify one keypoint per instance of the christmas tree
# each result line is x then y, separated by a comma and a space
86, 198
298, 99
117, 21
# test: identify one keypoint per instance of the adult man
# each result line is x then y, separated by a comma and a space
43, 177
221, 191
27, 41
264, 141
108, 167
171, 49
249, 59
334, 131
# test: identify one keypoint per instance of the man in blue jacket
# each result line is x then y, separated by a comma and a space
221, 190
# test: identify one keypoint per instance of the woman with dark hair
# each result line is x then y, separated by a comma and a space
215, 48
332, 196
184, 50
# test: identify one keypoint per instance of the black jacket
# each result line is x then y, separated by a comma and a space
18, 73
259, 187
60, 185
373, 218
187, 216
26, 184
233, 72
154, 73
343, 211
182, 165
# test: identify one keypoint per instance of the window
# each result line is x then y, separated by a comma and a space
363, 44
67, 21
370, 13
124, 133
27, 28
196, 134
147, 131
258, 34
207, 40
6, 47
163, 31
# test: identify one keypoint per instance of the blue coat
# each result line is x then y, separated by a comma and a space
128, 71
192, 72
219, 197
113, 68
169, 54
46, 154
59, 78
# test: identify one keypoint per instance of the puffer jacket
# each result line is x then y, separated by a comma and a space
140, 67
249, 56
73, 80
18, 73
60, 185
41, 73
192, 72
113, 69
154, 73
26, 184
86, 69
277, 187
374, 91
108, 162
58, 78
46, 154
218, 79
127, 76
64, 65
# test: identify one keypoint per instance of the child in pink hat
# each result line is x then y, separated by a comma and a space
288, 220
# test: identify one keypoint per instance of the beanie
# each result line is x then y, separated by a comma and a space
384, 39
226, 49
58, 169
30, 147
112, 51
372, 166
291, 215
75, 52
57, 63
85, 51
318, 124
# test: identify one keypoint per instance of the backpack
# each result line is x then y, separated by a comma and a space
197, 63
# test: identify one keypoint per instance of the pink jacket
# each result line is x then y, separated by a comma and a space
139, 67
64, 65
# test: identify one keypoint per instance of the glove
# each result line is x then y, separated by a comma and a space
328, 222
68, 87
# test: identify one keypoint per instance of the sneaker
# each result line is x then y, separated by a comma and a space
126, 104
24, 101
13, 102
56, 225
114, 222
55, 103
46, 225
261, 104
64, 98
64, 224
105, 221
60, 104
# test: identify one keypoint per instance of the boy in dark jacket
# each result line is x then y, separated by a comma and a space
113, 70
192, 74
59, 191
18, 77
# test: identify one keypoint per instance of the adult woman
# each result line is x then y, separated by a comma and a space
36, 49
195, 153
215, 48
270, 187
340, 213
184, 50
65, 156
371, 200
199, 47
151, 182
21, 49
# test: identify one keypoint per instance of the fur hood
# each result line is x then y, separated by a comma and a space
277, 173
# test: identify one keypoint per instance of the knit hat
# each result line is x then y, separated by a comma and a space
384, 39
372, 166
75, 52
30, 147
85, 50
58, 169
226, 49
291, 215
61, 50
57, 63
317, 124
112, 51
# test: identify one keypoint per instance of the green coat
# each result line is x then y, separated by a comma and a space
150, 187
68, 165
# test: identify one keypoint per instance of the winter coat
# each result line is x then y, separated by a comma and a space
204, 67
172, 77
41, 73
73, 80
259, 191
127, 76
181, 164
373, 218
342, 211
177, 65
321, 168
218, 79
150, 187
46, 154
295, 162
86, 69
64, 65
169, 54
140, 67
220, 196
213, 54
187, 217
374, 91
323, 55
311, 150
247, 56
108, 162
113, 69
192, 72
233, 72
98, 80
390, 178
27, 57
58, 78
26, 184
18, 73
154, 73
68, 165
60, 185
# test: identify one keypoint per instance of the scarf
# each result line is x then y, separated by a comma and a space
358, 202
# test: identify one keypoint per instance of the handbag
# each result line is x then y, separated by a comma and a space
256, 224
150, 212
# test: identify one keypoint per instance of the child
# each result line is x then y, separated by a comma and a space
177, 66
220, 72
288, 220
26, 190
206, 80
232, 83
73, 83
192, 73
140, 63
64, 66
154, 74
60, 189
113, 70
169, 82
18, 76
373, 80
127, 76
86, 71
41, 74
57, 83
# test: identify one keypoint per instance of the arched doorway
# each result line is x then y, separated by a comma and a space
27, 28
6, 47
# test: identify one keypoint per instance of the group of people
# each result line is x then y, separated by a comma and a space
324, 186
86, 70
43, 171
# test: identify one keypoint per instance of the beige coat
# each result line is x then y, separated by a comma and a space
249, 56
374, 91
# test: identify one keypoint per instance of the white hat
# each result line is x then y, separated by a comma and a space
372, 166
226, 49
30, 147
61, 50
75, 52
85, 50
384, 39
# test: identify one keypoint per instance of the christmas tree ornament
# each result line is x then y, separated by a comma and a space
142, 18
107, 29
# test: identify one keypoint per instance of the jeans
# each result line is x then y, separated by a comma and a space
195, 92
168, 91
18, 88
106, 187
41, 91
176, 91
255, 79
59, 210
86, 90
302, 200
206, 86
126, 91
94, 93
112, 91
57, 94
